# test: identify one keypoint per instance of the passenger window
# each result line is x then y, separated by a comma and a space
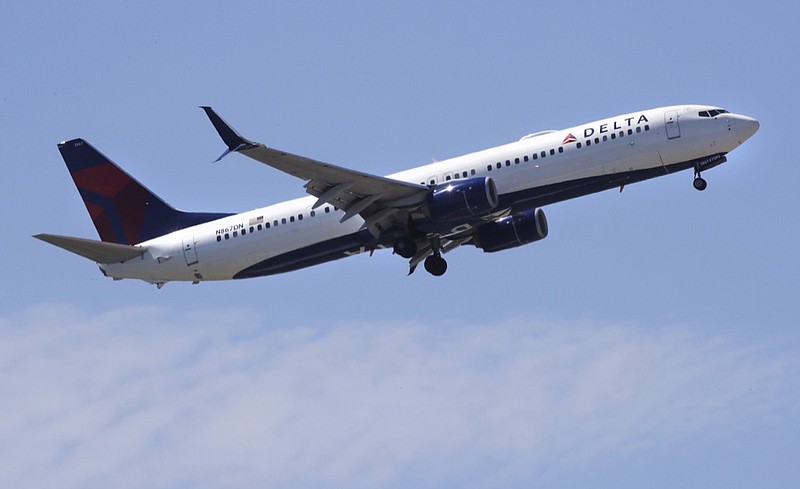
613, 135
560, 149
588, 142
535, 156
283, 220
252, 229
465, 174
489, 167
508, 162
327, 209
499, 165
525, 158
244, 231
227, 236
638, 129
552, 152
447, 178
516, 161
596, 140
647, 127
578, 145
605, 138
542, 154
219, 238
276, 223
291, 218
630, 131
299, 217
622, 134
235, 234
313, 213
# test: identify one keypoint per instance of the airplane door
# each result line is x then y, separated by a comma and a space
671, 123
189, 250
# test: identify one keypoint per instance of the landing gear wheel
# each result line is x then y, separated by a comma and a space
405, 247
435, 265
700, 183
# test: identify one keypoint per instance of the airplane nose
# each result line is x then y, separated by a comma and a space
746, 127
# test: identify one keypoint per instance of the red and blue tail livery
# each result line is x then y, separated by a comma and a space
490, 199
123, 210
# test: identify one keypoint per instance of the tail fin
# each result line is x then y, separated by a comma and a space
122, 209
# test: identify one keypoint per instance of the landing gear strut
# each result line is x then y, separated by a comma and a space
699, 182
435, 264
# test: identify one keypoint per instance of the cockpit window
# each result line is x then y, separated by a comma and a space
712, 113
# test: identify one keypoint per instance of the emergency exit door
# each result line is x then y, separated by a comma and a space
189, 250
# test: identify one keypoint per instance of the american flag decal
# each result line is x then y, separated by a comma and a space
569, 139
256, 220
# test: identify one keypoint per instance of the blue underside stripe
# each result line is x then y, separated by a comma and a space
337, 248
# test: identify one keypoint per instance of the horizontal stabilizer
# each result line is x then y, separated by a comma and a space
98, 251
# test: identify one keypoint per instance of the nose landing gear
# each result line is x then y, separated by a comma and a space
699, 182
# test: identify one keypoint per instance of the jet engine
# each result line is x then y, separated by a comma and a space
461, 199
512, 231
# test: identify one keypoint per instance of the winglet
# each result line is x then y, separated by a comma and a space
232, 139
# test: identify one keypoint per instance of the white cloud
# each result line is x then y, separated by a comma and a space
149, 397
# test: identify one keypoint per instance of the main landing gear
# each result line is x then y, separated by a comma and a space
699, 182
405, 247
435, 264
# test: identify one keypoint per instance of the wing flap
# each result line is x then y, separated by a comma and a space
97, 251
341, 187
326, 193
318, 174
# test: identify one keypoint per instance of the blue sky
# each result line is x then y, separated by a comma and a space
650, 340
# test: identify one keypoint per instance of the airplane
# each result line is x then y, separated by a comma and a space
490, 199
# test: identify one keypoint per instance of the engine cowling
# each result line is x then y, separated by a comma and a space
512, 231
462, 199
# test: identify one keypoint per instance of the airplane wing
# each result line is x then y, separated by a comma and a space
380, 201
97, 251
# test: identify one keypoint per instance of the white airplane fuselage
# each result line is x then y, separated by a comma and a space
535, 171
